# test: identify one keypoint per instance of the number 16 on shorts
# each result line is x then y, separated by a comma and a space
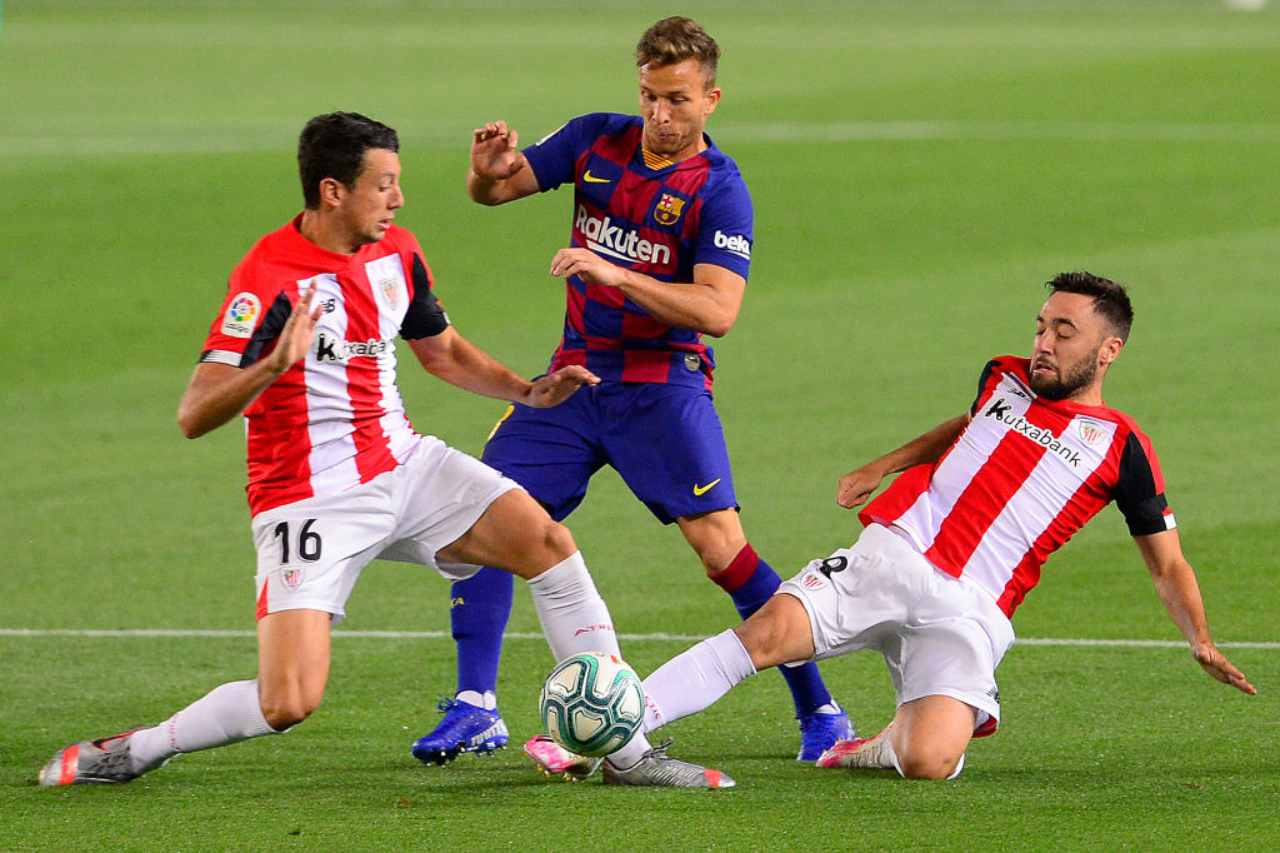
309, 546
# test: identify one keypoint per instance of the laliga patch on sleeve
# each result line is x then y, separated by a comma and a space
242, 315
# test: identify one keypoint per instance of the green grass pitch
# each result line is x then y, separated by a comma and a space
918, 169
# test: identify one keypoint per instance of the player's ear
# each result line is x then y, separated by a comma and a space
332, 191
1110, 350
711, 100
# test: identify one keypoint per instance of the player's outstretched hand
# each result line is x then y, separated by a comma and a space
1216, 664
554, 388
856, 486
297, 334
588, 266
494, 154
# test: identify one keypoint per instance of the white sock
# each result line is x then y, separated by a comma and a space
487, 700
695, 679
227, 714
575, 619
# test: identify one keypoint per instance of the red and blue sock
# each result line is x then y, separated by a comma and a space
481, 605
750, 582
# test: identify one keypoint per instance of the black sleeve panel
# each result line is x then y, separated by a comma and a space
272, 326
425, 317
982, 384
1135, 491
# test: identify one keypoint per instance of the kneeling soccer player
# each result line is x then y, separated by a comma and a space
304, 345
955, 544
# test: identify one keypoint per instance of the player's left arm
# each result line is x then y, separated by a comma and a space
1175, 581
708, 304
451, 357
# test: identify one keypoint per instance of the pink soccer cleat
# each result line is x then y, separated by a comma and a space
554, 760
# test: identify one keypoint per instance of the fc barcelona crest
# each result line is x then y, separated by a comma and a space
669, 209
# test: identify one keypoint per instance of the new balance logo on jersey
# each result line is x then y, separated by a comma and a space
329, 348
605, 238
735, 245
1002, 412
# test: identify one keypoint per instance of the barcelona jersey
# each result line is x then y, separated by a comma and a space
659, 222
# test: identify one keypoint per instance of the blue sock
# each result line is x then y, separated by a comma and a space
750, 582
481, 605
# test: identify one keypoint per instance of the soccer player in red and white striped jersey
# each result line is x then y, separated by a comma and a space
304, 346
953, 546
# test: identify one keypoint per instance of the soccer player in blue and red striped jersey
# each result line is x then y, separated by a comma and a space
659, 254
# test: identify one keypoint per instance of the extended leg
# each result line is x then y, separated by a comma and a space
734, 566
293, 658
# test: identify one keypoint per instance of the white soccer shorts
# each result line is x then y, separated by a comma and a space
940, 635
311, 552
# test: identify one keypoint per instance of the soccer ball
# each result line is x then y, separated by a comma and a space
592, 703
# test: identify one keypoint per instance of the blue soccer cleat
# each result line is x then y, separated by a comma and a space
819, 732
465, 728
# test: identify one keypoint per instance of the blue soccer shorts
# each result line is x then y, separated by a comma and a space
665, 441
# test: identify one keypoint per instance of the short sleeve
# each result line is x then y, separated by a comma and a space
727, 228
425, 317
251, 317
1139, 490
984, 381
552, 158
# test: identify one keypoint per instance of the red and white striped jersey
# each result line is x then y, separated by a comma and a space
335, 419
1022, 478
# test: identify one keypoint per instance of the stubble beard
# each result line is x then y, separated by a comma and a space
1079, 376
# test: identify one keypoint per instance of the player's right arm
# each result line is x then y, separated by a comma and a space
219, 392
856, 486
499, 172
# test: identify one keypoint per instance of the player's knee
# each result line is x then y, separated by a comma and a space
285, 709
929, 765
557, 540
763, 639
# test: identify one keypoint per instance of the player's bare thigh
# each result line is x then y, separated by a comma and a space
930, 736
293, 665
777, 633
717, 537
515, 533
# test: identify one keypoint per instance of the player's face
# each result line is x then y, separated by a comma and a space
675, 103
369, 205
1072, 343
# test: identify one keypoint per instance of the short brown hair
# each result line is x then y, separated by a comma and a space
676, 39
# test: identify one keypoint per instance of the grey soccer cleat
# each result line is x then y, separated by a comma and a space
103, 760
658, 769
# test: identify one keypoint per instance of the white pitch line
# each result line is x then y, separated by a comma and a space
529, 635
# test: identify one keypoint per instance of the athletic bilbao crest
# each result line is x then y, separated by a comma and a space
1091, 433
669, 209
391, 290
292, 579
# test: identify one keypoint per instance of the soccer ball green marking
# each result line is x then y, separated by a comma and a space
592, 703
